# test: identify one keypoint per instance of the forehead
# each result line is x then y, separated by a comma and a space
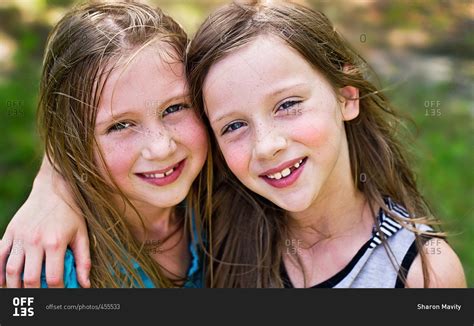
147, 77
248, 75
262, 66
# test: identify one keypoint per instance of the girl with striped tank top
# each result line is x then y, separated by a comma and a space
313, 185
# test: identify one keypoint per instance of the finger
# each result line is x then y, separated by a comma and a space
80, 249
33, 267
55, 265
14, 266
5, 247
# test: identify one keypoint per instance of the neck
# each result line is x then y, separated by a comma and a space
340, 209
157, 223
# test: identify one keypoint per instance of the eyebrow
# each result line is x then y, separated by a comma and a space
286, 88
153, 108
114, 118
269, 95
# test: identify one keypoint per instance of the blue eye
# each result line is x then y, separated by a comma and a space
288, 105
119, 126
174, 108
233, 127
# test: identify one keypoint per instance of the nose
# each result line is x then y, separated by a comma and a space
269, 141
158, 144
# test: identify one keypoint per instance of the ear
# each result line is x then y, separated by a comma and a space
350, 102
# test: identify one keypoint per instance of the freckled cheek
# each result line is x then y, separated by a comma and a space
312, 133
120, 157
191, 133
237, 157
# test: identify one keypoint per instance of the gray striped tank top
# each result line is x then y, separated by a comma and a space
372, 267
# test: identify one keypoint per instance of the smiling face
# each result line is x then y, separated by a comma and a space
279, 123
153, 142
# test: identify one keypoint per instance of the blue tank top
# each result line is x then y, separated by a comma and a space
193, 280
194, 274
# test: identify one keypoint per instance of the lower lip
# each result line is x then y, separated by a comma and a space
288, 181
167, 179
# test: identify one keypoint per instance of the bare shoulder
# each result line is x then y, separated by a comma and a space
444, 267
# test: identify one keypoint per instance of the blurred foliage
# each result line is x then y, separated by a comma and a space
424, 49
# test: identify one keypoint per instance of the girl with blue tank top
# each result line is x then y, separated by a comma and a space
118, 126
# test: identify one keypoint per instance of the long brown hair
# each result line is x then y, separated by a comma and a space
81, 52
249, 231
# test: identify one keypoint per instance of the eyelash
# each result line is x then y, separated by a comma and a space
290, 104
180, 108
119, 126
228, 128
125, 124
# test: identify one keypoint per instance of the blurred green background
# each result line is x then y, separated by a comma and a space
422, 51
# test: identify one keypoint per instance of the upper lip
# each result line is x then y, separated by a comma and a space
282, 166
162, 170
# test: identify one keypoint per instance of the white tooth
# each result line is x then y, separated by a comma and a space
277, 175
297, 165
301, 161
159, 175
167, 173
286, 172
270, 177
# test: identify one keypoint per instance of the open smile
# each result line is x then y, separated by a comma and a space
163, 177
285, 175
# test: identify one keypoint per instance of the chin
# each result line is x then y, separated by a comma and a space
166, 201
292, 204
294, 208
